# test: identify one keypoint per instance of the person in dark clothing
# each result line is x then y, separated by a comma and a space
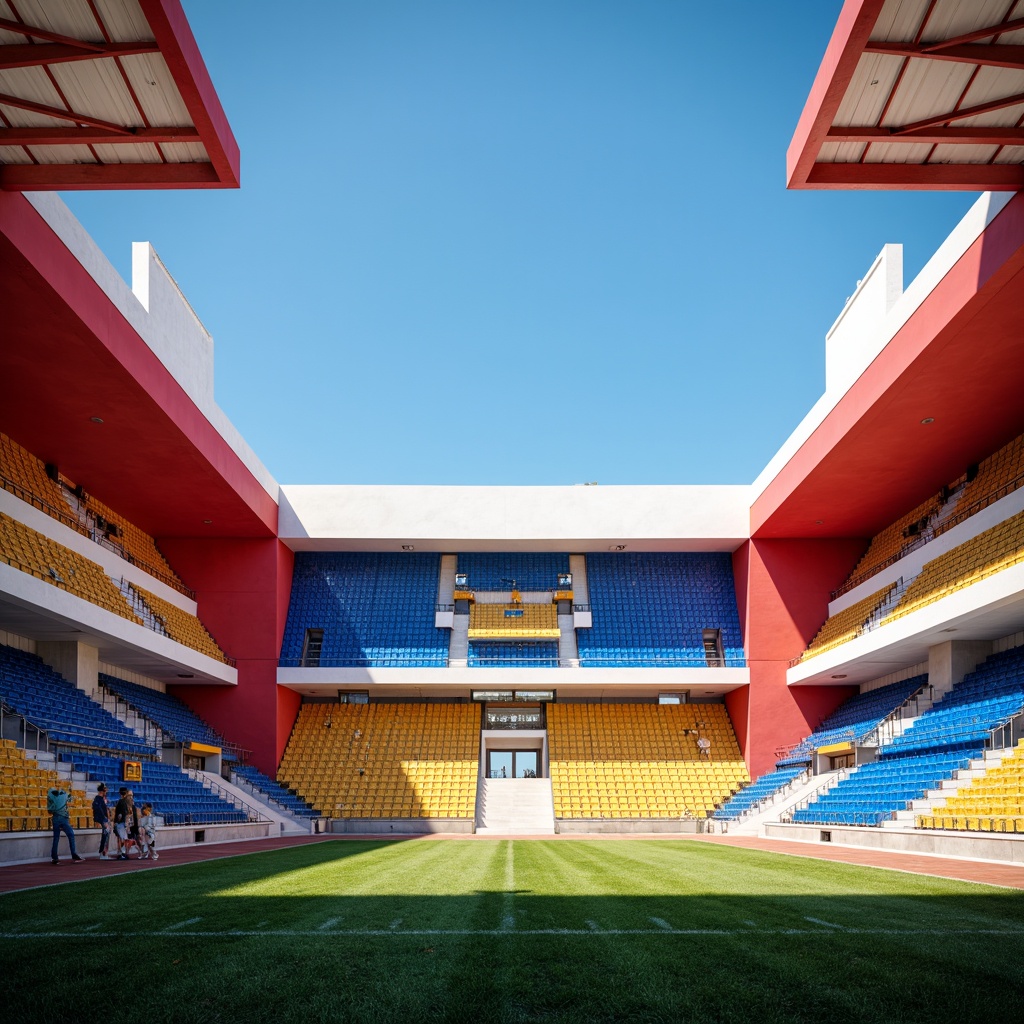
121, 823
101, 816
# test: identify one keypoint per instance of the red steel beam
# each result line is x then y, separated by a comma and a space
934, 136
956, 115
43, 33
979, 33
937, 177
852, 32
94, 136
68, 177
178, 47
996, 56
62, 115
26, 55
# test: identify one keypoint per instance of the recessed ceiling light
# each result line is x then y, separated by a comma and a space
207, 521
617, 547
950, 630
928, 419
96, 419
408, 547
839, 677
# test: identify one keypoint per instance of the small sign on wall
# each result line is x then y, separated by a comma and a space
131, 771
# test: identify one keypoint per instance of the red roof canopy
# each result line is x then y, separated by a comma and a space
112, 95
916, 94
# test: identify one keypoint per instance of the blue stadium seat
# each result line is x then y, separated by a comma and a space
651, 609
375, 609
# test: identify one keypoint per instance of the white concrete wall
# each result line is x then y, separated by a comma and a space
699, 682
156, 308
857, 336
577, 519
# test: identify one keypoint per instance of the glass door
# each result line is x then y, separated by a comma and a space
513, 764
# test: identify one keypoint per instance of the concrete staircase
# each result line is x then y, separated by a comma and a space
515, 807
244, 799
568, 653
752, 824
458, 645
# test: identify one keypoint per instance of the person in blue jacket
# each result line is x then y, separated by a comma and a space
57, 801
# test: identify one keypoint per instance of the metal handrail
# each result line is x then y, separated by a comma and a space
828, 784
73, 523
770, 798
226, 795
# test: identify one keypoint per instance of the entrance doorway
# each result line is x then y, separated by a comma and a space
512, 764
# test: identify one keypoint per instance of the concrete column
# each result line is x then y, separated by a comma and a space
77, 662
948, 663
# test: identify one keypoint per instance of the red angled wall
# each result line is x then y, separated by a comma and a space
242, 589
783, 587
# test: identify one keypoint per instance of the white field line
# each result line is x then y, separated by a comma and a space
825, 924
663, 925
373, 932
325, 927
394, 924
182, 924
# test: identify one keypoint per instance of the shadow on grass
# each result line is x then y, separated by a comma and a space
290, 937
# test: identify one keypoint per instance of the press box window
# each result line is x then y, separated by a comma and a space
312, 647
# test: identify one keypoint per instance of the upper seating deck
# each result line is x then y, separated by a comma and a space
651, 609
993, 478
375, 609
520, 570
26, 476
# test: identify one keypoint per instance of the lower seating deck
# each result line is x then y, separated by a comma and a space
641, 760
385, 760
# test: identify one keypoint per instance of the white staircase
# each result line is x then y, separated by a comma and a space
568, 653
580, 587
251, 799
515, 807
458, 645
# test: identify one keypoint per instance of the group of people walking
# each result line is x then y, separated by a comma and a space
132, 830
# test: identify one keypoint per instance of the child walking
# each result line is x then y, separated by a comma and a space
147, 830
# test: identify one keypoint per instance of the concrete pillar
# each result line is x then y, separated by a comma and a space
948, 663
77, 662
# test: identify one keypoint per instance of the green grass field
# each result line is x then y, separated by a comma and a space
513, 931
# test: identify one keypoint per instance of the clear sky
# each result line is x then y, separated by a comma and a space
529, 242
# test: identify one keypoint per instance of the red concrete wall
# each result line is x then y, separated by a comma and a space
242, 589
783, 588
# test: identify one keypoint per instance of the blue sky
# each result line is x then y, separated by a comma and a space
533, 242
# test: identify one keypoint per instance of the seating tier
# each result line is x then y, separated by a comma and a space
385, 760
651, 609
641, 760
375, 609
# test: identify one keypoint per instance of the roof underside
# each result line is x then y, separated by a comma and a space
917, 94
107, 94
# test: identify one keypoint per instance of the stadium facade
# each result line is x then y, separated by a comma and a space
145, 542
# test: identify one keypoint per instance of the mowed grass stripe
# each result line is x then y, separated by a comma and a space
310, 934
